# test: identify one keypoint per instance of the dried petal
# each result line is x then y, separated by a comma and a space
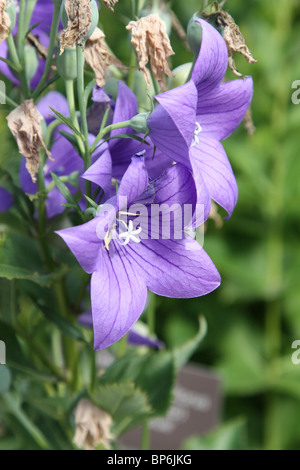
5, 22
92, 426
233, 37
248, 123
79, 22
150, 39
98, 57
110, 4
25, 125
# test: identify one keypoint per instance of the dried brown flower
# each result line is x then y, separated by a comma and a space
98, 57
79, 22
25, 125
5, 22
92, 426
232, 35
149, 38
110, 4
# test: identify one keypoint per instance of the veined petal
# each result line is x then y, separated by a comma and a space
211, 160
84, 243
174, 268
118, 296
212, 61
126, 108
172, 123
100, 172
134, 181
221, 111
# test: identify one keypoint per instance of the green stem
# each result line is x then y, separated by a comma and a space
8, 100
155, 83
106, 130
145, 445
69, 84
13, 54
29, 10
151, 314
21, 48
53, 33
82, 108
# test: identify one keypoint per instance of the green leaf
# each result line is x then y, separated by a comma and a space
66, 193
64, 325
13, 406
231, 436
20, 259
71, 138
10, 64
67, 121
126, 404
152, 372
183, 353
5, 378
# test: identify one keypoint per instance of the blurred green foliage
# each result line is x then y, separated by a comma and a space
254, 317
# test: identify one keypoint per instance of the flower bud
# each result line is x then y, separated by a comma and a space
66, 63
180, 75
139, 123
194, 34
31, 62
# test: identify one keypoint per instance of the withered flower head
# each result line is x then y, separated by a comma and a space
25, 125
92, 426
233, 37
149, 38
5, 22
98, 57
79, 22
110, 4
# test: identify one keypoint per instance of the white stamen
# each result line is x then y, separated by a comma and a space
130, 235
197, 131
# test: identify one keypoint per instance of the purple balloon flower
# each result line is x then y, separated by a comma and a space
6, 200
123, 265
190, 121
116, 155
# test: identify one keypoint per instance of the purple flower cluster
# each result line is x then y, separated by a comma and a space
189, 168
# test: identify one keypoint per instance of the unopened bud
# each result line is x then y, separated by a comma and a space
12, 13
194, 34
139, 123
180, 75
31, 62
66, 63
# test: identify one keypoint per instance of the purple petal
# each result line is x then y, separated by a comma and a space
57, 101
84, 244
4, 68
220, 112
134, 182
174, 268
209, 158
118, 296
25, 179
100, 173
126, 108
172, 123
6, 200
212, 61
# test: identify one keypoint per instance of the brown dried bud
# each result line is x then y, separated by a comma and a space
92, 426
25, 125
5, 22
110, 4
98, 57
79, 14
149, 38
